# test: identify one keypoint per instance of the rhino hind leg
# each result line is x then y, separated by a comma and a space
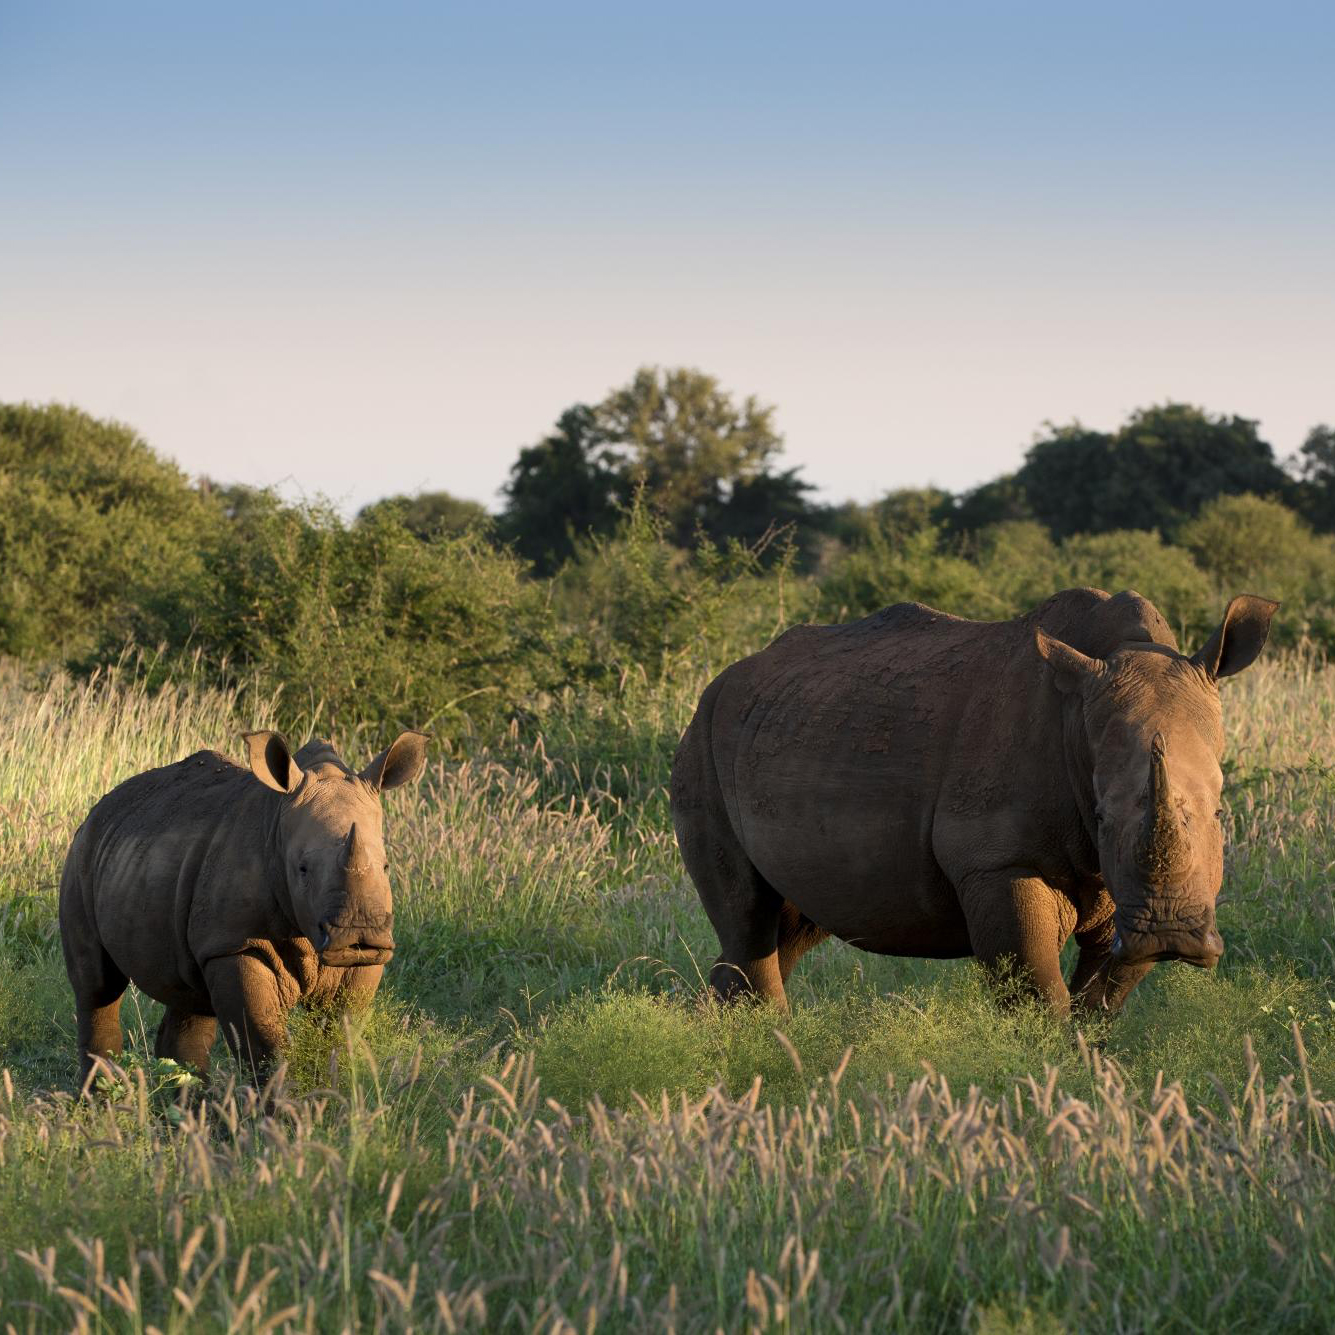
186, 1037
98, 988
797, 935
743, 908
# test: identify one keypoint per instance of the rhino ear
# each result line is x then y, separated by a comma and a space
401, 762
271, 761
1238, 638
1071, 670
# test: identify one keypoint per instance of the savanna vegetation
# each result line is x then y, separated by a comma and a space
543, 1123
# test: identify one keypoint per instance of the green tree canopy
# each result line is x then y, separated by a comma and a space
563, 488
430, 514
1315, 466
89, 517
699, 458
687, 442
1158, 468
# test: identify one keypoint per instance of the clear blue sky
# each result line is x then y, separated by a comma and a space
379, 247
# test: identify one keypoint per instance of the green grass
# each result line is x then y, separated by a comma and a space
544, 1124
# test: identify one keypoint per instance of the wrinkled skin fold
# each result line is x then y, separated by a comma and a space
231, 893
917, 784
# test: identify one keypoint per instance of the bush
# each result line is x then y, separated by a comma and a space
1246, 544
364, 621
889, 567
89, 517
1136, 559
645, 604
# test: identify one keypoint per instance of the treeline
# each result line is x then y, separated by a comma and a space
642, 540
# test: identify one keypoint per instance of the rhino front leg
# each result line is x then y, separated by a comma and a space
1098, 984
1017, 927
186, 1037
247, 1002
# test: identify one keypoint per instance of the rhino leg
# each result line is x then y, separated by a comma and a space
358, 986
742, 906
1017, 927
797, 934
98, 1010
748, 964
185, 1037
98, 988
745, 912
1098, 983
246, 1000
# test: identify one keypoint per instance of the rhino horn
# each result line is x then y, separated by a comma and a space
1162, 851
353, 857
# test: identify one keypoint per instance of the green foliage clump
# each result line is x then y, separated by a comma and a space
362, 621
645, 605
1162, 464
706, 462
889, 567
1248, 544
431, 514
1136, 559
89, 516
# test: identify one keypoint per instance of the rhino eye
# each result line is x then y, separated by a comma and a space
302, 868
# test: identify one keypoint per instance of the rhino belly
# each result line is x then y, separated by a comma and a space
141, 913
854, 856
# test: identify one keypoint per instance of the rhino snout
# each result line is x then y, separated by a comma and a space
350, 943
1196, 945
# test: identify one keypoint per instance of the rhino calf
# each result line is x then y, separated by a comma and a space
231, 893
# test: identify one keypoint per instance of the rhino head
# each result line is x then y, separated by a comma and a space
1155, 738
331, 831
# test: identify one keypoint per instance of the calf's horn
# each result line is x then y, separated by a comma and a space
353, 857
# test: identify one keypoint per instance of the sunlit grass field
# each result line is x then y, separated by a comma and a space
544, 1125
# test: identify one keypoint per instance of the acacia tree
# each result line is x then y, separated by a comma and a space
682, 437
702, 461
430, 514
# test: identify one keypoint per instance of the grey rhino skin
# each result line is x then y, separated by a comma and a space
917, 784
230, 894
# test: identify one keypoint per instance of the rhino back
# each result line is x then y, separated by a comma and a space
175, 869
843, 752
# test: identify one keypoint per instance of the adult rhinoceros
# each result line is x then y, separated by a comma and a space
231, 893
918, 784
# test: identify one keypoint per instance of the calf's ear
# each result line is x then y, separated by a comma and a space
1071, 670
1238, 638
271, 761
402, 761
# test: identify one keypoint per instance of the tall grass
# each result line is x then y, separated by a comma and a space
543, 1124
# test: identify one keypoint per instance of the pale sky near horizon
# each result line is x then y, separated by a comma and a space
356, 250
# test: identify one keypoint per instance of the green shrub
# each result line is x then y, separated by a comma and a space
1140, 560
894, 567
89, 516
1246, 544
647, 606
363, 621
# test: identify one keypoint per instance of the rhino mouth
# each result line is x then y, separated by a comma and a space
1202, 950
349, 947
